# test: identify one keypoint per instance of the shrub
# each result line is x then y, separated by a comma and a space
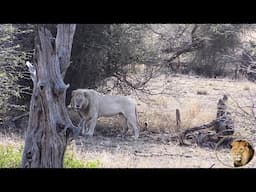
12, 67
71, 161
10, 157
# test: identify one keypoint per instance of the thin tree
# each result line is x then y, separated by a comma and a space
50, 128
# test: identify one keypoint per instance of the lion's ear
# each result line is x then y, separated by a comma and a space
246, 144
86, 94
233, 144
74, 92
71, 105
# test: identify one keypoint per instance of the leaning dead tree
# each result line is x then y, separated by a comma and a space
220, 127
49, 128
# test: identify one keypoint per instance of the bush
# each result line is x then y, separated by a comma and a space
71, 161
10, 157
13, 69
219, 40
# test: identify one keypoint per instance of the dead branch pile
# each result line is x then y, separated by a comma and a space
209, 134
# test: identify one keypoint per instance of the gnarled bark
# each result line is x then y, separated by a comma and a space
50, 127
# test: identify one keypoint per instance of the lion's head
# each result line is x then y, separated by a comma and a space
242, 152
79, 100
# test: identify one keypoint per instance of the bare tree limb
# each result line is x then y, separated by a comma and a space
64, 39
20, 116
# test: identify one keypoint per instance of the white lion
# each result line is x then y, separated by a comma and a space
91, 105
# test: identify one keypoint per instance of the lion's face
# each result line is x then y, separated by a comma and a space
79, 101
242, 152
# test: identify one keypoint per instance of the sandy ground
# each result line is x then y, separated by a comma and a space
149, 151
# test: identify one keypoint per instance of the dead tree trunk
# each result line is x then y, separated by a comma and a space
50, 127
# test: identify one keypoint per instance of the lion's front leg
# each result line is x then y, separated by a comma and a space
90, 125
81, 126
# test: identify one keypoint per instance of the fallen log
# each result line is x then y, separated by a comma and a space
197, 128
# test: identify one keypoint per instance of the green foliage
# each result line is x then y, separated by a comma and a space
219, 40
10, 157
12, 69
71, 161
210, 50
106, 50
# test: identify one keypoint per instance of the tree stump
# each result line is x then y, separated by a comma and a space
49, 127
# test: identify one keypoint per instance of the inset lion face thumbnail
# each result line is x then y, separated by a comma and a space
242, 152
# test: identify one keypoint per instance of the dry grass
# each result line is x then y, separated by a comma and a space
163, 118
195, 114
195, 109
11, 140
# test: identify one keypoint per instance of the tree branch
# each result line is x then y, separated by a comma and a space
64, 39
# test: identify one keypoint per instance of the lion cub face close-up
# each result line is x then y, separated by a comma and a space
242, 152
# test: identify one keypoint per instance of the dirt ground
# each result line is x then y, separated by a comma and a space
151, 150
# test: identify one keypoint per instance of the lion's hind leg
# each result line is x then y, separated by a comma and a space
132, 125
131, 118
125, 127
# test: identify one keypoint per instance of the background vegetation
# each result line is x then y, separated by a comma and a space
125, 57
